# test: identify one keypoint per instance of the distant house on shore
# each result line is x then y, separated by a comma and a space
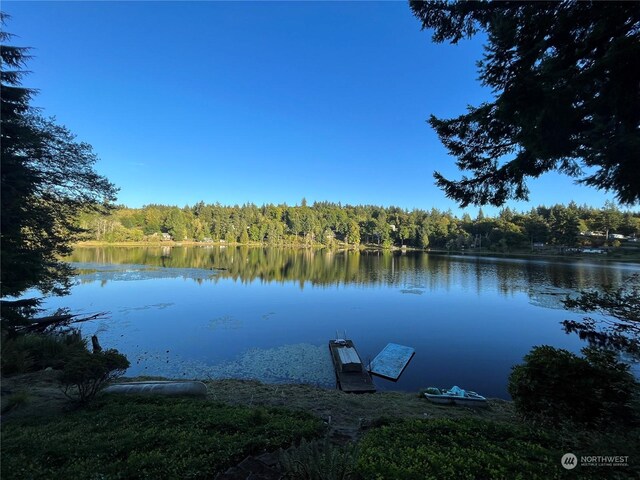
592, 234
594, 250
166, 237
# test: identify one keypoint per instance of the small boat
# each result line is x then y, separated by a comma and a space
455, 396
351, 376
162, 388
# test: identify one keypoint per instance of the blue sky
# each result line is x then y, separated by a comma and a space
259, 102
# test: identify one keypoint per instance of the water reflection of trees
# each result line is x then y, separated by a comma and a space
325, 267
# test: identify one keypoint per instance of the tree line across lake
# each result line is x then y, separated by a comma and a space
330, 224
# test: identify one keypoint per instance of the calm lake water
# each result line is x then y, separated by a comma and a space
220, 312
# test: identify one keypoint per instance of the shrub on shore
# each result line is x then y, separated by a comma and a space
86, 373
554, 385
36, 351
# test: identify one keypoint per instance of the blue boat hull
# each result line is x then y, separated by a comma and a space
455, 396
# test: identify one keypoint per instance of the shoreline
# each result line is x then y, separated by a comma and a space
347, 415
615, 257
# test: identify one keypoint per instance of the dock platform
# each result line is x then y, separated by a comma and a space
391, 361
351, 376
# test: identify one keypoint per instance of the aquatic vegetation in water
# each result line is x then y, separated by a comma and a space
548, 296
158, 306
225, 322
296, 363
413, 291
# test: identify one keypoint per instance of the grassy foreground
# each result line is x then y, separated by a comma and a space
138, 438
461, 449
397, 436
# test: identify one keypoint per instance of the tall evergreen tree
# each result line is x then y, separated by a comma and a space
47, 180
566, 83
609, 218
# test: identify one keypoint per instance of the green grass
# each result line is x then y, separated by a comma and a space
14, 401
475, 449
461, 449
320, 460
135, 438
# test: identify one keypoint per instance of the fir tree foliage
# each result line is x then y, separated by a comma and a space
48, 178
613, 319
566, 83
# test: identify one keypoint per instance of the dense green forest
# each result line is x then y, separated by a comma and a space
331, 224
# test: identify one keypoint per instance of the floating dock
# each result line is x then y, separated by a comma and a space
351, 375
391, 361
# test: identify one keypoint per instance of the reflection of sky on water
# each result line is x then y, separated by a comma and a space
469, 320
